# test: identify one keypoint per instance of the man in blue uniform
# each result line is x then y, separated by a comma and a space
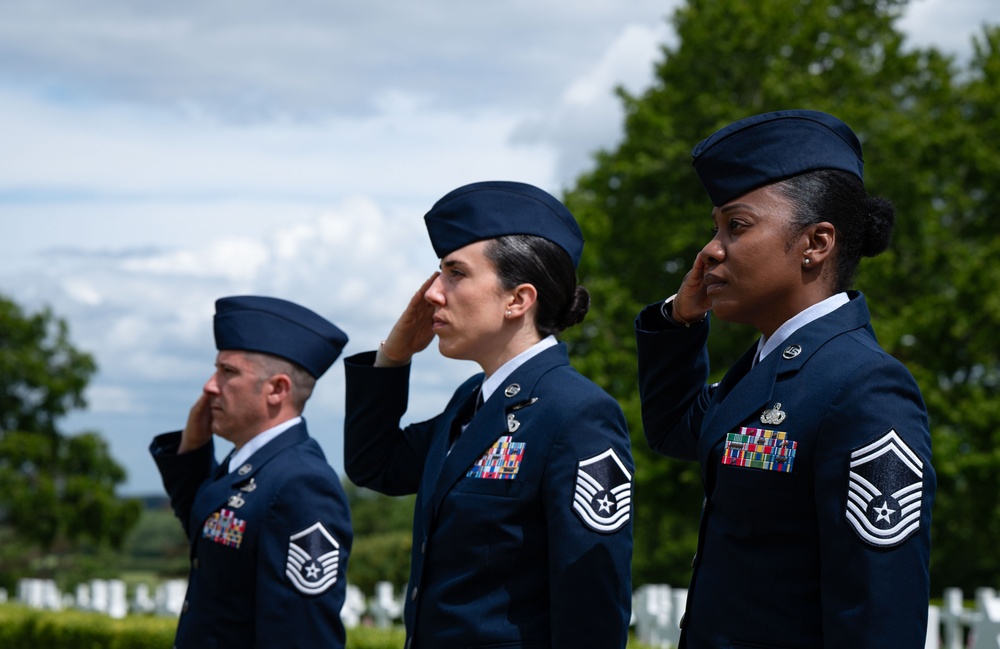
269, 528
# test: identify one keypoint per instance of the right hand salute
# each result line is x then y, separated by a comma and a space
198, 430
692, 301
412, 333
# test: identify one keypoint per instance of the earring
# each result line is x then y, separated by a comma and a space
508, 313
805, 262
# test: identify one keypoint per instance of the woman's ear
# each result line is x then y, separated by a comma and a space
522, 298
820, 241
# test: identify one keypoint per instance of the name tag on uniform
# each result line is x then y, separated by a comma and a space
500, 462
757, 448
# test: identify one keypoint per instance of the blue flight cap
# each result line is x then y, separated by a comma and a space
497, 208
766, 148
281, 328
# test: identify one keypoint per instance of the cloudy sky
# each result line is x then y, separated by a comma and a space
156, 156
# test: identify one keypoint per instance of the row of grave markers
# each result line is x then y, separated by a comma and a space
656, 611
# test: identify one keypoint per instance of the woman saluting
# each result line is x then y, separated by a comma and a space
522, 533
814, 448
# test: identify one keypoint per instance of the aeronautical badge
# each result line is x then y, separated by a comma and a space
603, 497
313, 560
885, 491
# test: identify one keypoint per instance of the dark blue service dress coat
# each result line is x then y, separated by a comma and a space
818, 483
269, 544
522, 535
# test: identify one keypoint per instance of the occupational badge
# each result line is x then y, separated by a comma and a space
500, 462
772, 417
512, 423
236, 501
603, 495
313, 560
885, 491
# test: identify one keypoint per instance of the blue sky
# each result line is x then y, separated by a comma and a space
157, 156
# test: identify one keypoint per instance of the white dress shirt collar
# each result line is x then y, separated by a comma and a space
491, 384
240, 457
766, 345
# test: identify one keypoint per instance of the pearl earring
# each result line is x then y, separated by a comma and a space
806, 261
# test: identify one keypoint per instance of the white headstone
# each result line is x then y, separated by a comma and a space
83, 597
142, 601
385, 608
658, 609
933, 639
29, 592
51, 597
986, 620
170, 597
117, 602
354, 607
99, 595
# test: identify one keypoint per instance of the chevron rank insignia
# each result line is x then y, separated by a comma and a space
313, 560
885, 491
603, 495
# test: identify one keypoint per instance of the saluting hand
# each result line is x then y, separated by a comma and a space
692, 301
198, 430
413, 332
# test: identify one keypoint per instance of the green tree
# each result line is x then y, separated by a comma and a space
382, 527
56, 492
928, 129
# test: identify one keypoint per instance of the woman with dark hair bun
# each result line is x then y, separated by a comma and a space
815, 449
522, 534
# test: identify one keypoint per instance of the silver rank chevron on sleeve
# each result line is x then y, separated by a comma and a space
603, 497
885, 491
313, 560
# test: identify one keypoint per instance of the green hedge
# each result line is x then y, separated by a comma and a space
24, 628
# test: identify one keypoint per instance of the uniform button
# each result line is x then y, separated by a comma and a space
413, 595
409, 643
694, 559
423, 548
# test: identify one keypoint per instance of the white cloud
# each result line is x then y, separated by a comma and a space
158, 156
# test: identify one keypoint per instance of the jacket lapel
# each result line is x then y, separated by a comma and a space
489, 424
746, 392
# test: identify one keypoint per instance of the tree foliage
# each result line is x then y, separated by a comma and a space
382, 538
56, 491
928, 127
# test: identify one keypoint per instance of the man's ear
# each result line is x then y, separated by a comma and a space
280, 388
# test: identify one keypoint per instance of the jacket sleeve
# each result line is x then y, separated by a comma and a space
182, 473
589, 568
673, 369
378, 454
876, 589
290, 611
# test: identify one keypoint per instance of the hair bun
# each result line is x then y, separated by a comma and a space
879, 225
